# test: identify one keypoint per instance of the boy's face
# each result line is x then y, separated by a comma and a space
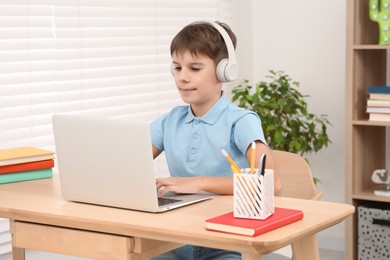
196, 80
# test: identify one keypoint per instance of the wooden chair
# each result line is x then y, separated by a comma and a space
297, 182
296, 177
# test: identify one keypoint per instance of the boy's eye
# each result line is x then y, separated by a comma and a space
195, 69
177, 68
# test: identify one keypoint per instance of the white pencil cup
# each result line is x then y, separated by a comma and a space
254, 194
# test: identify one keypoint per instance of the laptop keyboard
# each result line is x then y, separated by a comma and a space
166, 201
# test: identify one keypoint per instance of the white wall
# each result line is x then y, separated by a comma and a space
305, 39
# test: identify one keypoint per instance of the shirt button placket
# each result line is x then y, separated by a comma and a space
194, 145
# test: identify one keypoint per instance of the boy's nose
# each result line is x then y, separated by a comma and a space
182, 75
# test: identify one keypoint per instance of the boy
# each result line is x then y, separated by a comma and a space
192, 136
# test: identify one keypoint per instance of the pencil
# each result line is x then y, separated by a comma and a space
230, 160
253, 153
234, 170
262, 163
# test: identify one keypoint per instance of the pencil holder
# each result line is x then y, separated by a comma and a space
254, 194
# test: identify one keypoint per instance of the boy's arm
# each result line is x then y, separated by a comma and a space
214, 184
156, 152
222, 185
270, 164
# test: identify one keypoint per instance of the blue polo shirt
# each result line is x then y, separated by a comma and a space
192, 145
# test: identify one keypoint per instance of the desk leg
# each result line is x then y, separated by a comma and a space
306, 248
249, 256
17, 252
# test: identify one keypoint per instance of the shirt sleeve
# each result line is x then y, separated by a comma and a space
248, 129
157, 132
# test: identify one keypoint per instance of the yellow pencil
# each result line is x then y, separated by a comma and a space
234, 170
253, 153
230, 160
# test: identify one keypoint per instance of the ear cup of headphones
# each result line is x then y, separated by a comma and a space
227, 69
172, 69
221, 66
227, 72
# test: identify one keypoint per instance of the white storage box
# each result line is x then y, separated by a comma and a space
374, 231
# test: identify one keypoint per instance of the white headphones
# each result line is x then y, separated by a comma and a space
227, 69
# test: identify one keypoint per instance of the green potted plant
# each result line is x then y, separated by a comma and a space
287, 124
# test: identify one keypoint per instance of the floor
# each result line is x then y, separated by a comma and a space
325, 254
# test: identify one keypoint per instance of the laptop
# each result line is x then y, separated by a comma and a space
109, 162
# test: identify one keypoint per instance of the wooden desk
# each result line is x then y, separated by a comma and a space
42, 220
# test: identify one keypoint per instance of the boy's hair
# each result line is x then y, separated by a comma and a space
202, 38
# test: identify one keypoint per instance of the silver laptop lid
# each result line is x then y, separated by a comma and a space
109, 162
105, 161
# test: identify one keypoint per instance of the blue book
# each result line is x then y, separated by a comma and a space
26, 175
379, 89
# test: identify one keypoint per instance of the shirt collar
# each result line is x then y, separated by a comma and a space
212, 116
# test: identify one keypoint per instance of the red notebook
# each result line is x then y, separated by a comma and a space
30, 166
227, 223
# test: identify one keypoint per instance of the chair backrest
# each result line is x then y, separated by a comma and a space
295, 174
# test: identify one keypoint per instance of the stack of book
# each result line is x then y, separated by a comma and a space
378, 103
227, 223
25, 163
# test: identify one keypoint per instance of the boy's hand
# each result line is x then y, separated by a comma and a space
185, 185
222, 185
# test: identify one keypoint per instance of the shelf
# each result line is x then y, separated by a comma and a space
366, 141
369, 195
370, 47
371, 123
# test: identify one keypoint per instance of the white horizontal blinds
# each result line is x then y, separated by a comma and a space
113, 56
5, 236
27, 57
97, 57
107, 58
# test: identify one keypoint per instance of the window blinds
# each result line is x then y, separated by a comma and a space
5, 237
105, 58
99, 57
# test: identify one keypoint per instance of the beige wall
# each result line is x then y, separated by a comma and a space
305, 39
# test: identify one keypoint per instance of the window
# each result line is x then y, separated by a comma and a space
100, 58
96, 57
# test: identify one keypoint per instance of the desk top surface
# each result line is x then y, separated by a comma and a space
40, 201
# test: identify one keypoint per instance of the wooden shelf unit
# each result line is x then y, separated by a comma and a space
366, 65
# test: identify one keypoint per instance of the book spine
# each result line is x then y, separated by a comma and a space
379, 89
383, 110
378, 103
26, 176
379, 96
27, 159
379, 117
27, 166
